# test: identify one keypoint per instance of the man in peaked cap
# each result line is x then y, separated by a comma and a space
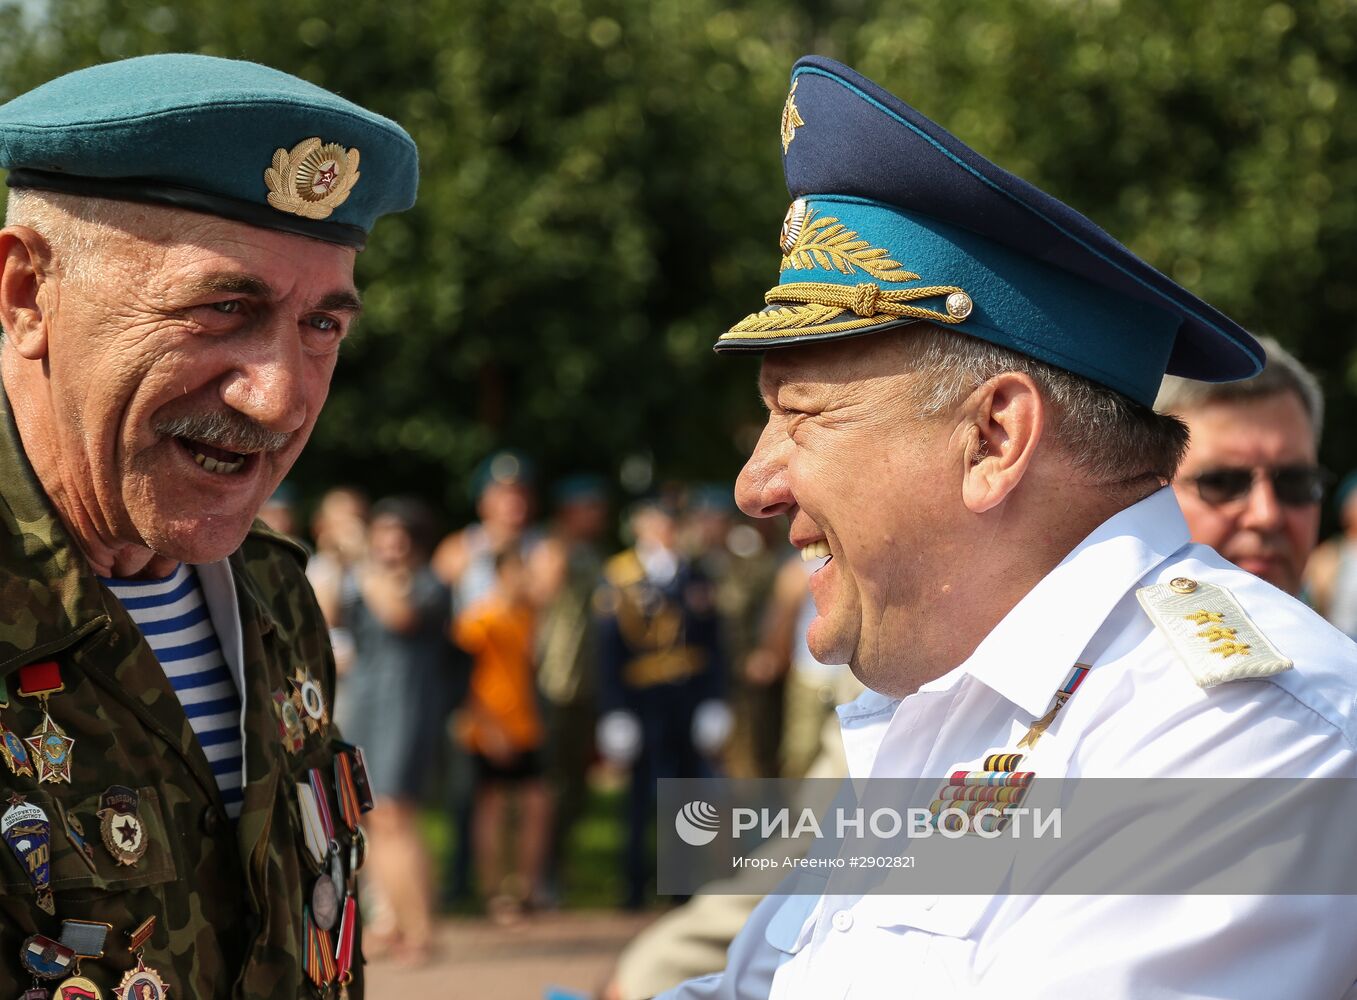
959, 372
176, 277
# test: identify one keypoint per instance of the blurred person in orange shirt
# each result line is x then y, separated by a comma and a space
501, 727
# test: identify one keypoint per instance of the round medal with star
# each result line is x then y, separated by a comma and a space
142, 983
309, 700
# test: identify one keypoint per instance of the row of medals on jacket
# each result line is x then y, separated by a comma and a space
47, 756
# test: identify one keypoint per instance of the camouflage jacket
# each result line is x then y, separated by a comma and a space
228, 898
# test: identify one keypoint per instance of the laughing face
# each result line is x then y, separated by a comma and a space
862, 482
163, 401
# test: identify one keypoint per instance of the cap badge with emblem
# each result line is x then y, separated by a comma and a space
120, 824
311, 179
791, 118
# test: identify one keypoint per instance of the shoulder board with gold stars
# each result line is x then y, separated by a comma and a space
1210, 632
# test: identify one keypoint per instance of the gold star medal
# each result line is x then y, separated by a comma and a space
50, 747
120, 824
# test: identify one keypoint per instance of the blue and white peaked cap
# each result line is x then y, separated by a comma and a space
895, 220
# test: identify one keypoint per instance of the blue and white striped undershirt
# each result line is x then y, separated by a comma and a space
173, 617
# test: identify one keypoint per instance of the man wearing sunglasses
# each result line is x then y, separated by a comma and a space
1250, 485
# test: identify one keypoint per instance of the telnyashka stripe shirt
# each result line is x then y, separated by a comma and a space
173, 616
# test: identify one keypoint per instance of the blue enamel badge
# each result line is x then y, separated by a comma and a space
28, 832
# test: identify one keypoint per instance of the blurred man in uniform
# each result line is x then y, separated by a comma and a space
565, 571
1250, 484
176, 277
662, 675
959, 372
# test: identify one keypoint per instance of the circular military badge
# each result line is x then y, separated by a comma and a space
79, 988
324, 903
312, 700
142, 983
123, 835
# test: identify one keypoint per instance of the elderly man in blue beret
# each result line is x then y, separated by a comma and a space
176, 278
959, 372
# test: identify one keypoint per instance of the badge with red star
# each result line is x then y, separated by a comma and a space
120, 824
51, 752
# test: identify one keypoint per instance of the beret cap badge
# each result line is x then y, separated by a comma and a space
311, 179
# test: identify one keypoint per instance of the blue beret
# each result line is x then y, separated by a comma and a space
221, 136
506, 468
895, 220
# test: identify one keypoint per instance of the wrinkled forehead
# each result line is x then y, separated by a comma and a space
836, 363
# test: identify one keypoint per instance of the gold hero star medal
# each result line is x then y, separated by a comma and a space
311, 179
120, 825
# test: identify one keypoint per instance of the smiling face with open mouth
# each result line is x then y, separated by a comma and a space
861, 480
163, 398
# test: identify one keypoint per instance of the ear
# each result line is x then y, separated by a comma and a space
1002, 422
26, 289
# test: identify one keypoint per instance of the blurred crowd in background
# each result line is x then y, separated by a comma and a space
560, 649
503, 673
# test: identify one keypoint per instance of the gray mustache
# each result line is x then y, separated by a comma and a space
225, 429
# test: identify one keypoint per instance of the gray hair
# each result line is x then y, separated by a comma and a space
1281, 374
76, 228
1108, 437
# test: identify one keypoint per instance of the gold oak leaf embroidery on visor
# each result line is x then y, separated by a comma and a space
813, 307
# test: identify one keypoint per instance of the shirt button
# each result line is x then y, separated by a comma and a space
843, 920
213, 821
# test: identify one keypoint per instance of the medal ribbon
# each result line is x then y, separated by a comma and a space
344, 950
38, 679
319, 962
1066, 692
347, 791
327, 821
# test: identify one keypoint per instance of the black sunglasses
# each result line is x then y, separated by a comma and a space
1295, 485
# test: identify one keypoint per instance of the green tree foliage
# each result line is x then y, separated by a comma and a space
601, 187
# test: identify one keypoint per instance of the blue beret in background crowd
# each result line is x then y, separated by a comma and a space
895, 221
220, 136
507, 468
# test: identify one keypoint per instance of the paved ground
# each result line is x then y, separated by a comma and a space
571, 952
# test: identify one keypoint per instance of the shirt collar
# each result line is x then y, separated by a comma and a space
1027, 656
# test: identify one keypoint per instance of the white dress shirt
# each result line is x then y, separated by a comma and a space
1138, 713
